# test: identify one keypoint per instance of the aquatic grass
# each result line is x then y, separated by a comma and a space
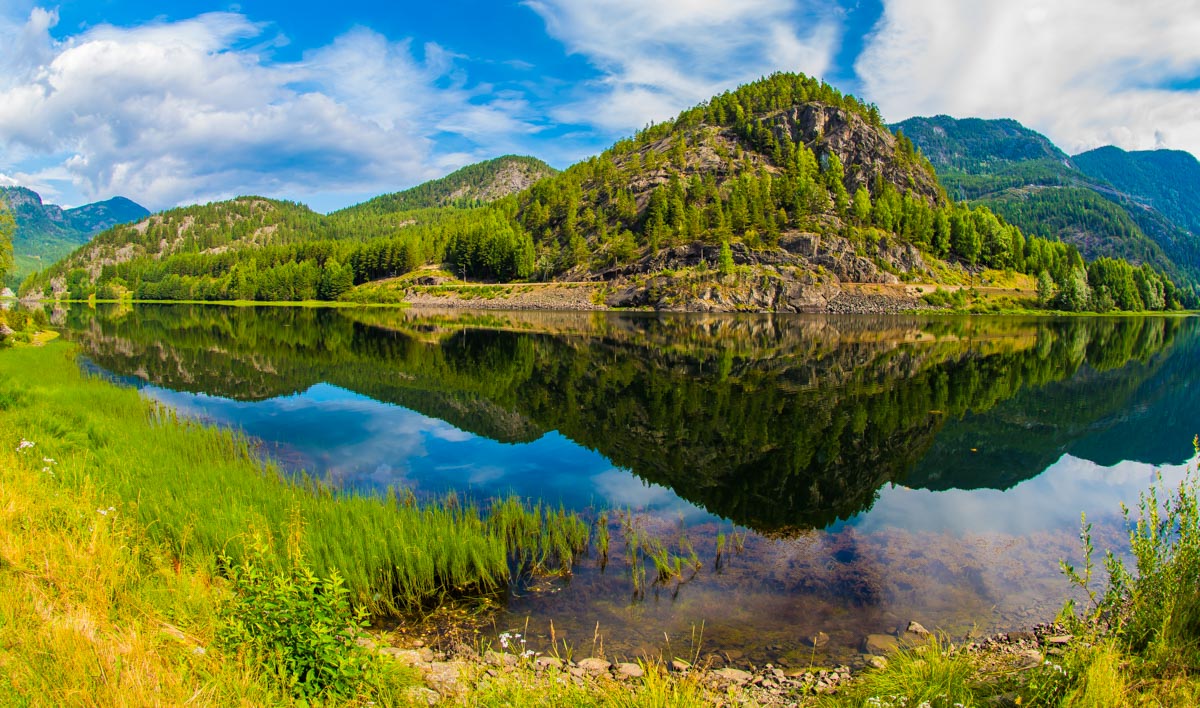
602, 537
739, 540
202, 492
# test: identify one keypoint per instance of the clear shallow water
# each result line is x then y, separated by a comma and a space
884, 469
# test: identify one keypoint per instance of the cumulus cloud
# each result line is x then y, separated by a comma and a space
1085, 72
657, 58
174, 112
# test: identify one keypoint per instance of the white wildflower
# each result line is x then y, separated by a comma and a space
24, 445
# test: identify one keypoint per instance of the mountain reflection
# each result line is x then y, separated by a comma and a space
779, 423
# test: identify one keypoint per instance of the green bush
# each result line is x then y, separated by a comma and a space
945, 298
300, 625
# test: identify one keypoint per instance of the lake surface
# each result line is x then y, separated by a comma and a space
858, 472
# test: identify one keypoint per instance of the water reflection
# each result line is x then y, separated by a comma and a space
894, 468
779, 424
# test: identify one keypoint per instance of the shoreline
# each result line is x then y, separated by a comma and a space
434, 302
453, 673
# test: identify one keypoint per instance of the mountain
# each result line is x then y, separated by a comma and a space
475, 184
46, 232
1165, 180
1106, 202
772, 196
976, 146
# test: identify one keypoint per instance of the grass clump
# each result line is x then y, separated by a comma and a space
928, 675
94, 612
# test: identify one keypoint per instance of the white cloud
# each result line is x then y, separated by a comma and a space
174, 112
1085, 72
657, 58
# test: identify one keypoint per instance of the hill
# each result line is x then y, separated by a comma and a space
46, 232
472, 185
768, 197
1106, 202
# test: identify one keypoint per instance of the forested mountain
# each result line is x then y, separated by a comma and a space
472, 185
1166, 180
977, 146
768, 197
1106, 202
46, 232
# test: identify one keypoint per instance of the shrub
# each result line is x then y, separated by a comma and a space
1154, 610
299, 625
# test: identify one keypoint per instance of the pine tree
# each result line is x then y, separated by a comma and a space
725, 259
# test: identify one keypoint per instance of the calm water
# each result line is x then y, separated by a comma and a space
863, 471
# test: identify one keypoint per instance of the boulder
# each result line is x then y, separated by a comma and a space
915, 627
594, 666
734, 675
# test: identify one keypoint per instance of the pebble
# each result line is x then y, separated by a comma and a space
630, 671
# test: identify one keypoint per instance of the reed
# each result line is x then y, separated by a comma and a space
602, 538
201, 491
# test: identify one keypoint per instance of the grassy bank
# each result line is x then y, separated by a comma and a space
201, 492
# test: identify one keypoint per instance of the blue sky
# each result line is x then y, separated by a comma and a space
332, 103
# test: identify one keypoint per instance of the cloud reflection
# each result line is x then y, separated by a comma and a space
1053, 499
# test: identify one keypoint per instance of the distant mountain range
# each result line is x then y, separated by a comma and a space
1143, 206
47, 233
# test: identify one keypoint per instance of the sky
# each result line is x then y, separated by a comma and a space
332, 103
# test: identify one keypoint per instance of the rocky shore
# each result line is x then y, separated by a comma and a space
452, 674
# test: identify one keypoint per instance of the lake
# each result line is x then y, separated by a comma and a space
856, 473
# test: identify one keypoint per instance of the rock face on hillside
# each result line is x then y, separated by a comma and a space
805, 274
867, 152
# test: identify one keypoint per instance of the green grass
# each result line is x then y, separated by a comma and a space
927, 675
201, 491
